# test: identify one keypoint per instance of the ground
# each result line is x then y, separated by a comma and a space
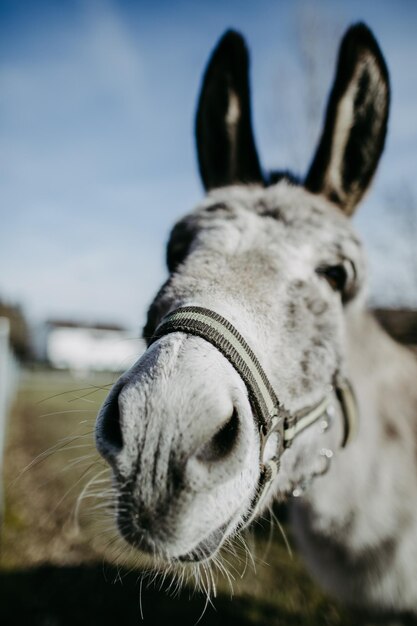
60, 565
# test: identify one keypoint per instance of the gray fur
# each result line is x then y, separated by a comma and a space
251, 254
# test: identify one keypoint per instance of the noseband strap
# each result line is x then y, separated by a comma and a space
224, 336
271, 416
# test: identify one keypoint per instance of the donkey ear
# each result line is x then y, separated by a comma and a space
225, 144
356, 122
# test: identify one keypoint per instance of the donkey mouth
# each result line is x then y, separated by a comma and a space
207, 547
143, 541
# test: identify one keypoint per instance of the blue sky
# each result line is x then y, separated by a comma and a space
97, 160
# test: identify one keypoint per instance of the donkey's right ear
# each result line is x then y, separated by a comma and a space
225, 144
356, 122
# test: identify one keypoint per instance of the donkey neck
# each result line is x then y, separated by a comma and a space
384, 374
369, 476
356, 526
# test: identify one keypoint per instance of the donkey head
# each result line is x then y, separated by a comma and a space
281, 263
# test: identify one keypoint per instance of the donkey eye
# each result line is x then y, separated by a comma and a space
340, 277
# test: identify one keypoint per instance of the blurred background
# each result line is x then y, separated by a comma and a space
97, 161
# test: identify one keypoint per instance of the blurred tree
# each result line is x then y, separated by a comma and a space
19, 330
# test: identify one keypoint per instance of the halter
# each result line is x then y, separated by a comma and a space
269, 413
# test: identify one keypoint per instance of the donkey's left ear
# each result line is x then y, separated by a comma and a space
356, 122
225, 145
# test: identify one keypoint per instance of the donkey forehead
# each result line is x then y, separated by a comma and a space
239, 218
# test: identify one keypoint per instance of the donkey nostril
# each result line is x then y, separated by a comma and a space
222, 443
111, 432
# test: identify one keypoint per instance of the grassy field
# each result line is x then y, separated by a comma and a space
60, 565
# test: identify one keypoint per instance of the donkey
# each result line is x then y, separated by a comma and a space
265, 378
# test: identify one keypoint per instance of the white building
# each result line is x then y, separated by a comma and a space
82, 347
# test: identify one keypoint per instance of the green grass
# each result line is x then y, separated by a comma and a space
57, 570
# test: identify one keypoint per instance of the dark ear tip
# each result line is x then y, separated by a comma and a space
359, 30
231, 43
231, 38
359, 37
360, 34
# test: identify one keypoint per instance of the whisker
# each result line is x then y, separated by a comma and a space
91, 392
283, 534
63, 393
140, 599
65, 412
85, 490
60, 446
77, 482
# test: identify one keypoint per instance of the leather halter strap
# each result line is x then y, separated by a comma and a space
270, 414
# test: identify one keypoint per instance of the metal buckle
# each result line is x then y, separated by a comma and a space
276, 426
348, 404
